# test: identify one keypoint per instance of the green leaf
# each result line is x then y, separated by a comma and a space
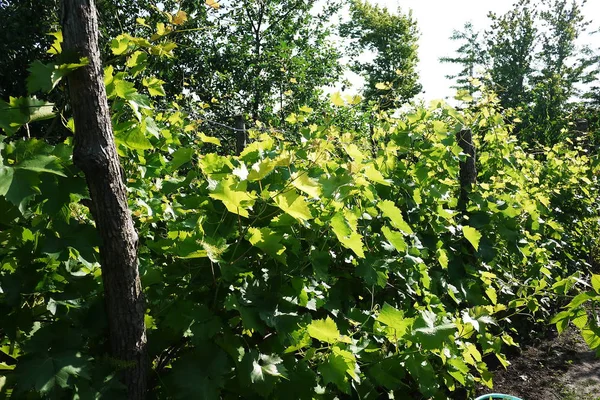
395, 238
133, 138
155, 86
324, 330
459, 370
389, 209
234, 196
261, 169
209, 139
347, 236
395, 320
430, 335
334, 371
6, 177
267, 365
294, 204
596, 283
42, 163
43, 374
472, 235
45, 77
591, 337
443, 258
198, 375
120, 44
181, 156
22, 110
56, 47
268, 241
306, 184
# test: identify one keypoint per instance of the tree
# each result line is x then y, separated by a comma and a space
564, 65
391, 76
535, 65
96, 154
510, 44
258, 58
470, 56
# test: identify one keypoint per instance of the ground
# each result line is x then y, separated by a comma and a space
560, 367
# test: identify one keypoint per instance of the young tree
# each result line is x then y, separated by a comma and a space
393, 40
470, 55
96, 154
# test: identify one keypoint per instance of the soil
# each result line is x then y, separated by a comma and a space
560, 367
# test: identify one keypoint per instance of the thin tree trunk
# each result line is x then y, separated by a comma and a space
95, 153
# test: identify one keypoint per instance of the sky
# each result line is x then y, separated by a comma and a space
437, 19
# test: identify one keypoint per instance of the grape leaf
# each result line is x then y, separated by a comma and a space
472, 235
395, 238
324, 330
45, 77
294, 204
268, 241
347, 236
394, 319
392, 212
234, 196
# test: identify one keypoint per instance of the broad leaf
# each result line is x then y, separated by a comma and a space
324, 330
472, 235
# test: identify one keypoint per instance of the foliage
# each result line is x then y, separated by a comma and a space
470, 56
249, 57
536, 65
335, 265
391, 76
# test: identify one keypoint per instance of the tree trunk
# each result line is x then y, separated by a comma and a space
95, 153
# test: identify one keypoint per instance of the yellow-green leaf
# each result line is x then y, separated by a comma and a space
324, 330
268, 241
306, 184
395, 238
347, 236
234, 196
472, 235
389, 210
294, 204
336, 99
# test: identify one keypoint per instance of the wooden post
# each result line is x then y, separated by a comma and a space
95, 153
241, 134
468, 170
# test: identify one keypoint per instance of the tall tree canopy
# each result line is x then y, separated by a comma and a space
390, 73
536, 63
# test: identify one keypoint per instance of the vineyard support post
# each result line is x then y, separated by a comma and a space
241, 134
468, 169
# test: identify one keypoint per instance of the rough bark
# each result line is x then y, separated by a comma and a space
95, 154
468, 170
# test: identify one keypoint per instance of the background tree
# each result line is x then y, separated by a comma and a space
255, 57
469, 56
392, 38
537, 66
510, 44
563, 67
